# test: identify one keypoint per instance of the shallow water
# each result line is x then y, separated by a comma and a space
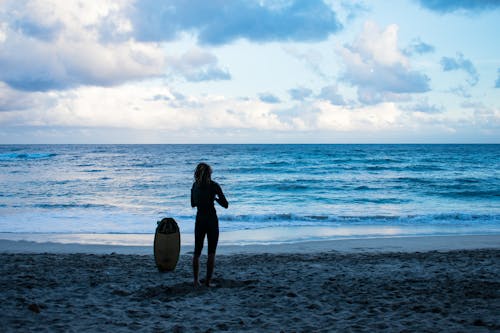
125, 189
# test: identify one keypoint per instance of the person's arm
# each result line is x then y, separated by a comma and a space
219, 197
193, 201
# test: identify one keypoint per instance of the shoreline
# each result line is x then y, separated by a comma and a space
350, 245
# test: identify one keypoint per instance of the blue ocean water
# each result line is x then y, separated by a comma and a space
125, 189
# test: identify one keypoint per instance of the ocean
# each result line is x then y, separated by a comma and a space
276, 193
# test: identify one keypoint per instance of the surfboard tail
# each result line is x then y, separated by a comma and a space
167, 244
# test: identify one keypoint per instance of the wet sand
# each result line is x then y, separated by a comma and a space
431, 291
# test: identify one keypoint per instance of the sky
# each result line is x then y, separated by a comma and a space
249, 71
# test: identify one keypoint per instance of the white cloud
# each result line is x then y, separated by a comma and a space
3, 32
376, 66
157, 111
12, 101
370, 118
57, 45
148, 107
379, 46
488, 118
92, 65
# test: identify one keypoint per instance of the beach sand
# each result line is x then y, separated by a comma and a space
376, 288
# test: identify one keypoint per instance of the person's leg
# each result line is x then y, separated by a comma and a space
213, 239
199, 238
196, 270
210, 268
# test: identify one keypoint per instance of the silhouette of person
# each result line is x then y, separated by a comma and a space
203, 194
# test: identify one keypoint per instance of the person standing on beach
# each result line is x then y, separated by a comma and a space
203, 194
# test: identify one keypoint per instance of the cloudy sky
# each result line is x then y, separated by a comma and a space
245, 71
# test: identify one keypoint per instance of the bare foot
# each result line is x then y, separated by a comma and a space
196, 284
210, 284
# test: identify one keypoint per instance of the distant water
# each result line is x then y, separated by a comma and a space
125, 189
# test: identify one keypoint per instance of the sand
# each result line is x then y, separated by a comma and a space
10, 243
381, 290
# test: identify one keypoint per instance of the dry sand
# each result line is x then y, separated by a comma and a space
454, 291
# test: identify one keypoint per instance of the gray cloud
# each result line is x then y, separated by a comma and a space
311, 58
216, 22
175, 100
448, 6
304, 112
173, 96
269, 98
330, 93
48, 47
460, 91
460, 63
418, 47
31, 19
353, 9
37, 30
208, 74
472, 105
393, 78
197, 65
425, 107
300, 93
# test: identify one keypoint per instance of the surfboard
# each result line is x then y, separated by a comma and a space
167, 244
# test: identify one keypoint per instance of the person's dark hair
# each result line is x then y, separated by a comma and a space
202, 174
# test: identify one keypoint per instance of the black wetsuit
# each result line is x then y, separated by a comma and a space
207, 222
